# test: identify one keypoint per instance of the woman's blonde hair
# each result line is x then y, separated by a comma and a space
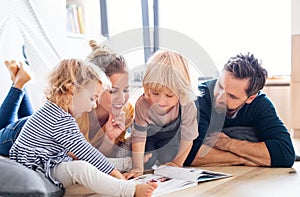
110, 63
171, 70
71, 74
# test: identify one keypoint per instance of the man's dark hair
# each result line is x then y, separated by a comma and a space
248, 67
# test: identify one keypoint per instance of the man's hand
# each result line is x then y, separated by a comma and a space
254, 153
209, 156
219, 140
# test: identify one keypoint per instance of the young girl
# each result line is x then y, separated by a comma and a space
51, 132
165, 115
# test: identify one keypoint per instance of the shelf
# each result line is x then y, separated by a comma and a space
76, 35
278, 81
82, 19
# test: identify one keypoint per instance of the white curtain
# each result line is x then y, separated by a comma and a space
20, 25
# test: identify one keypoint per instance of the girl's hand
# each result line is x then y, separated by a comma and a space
115, 126
117, 174
133, 173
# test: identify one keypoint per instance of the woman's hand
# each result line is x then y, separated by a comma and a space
115, 126
119, 120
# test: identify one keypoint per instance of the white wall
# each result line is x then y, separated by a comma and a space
295, 17
295, 82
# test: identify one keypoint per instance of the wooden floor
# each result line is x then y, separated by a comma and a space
246, 181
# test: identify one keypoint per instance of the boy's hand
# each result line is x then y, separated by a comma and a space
171, 164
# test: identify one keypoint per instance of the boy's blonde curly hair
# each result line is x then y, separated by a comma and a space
171, 70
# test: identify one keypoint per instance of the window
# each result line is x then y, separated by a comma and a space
225, 28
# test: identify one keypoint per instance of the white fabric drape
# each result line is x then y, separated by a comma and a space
20, 25
40, 49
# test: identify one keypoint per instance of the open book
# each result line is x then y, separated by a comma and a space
171, 179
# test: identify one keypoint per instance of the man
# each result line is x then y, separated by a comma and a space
238, 124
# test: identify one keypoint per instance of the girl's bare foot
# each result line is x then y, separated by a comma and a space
13, 69
22, 77
145, 190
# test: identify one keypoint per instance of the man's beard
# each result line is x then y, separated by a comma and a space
220, 109
224, 109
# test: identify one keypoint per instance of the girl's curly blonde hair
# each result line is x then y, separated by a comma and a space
71, 74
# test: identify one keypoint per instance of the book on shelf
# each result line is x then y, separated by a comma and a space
80, 19
74, 19
170, 179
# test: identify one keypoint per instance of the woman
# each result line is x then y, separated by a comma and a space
106, 126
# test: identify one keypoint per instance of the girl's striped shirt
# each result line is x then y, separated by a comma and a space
47, 137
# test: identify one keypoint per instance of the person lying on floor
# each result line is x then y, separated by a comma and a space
238, 123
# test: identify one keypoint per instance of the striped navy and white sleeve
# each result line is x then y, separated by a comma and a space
67, 133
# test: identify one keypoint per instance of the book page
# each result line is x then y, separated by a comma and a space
207, 175
165, 184
170, 179
190, 174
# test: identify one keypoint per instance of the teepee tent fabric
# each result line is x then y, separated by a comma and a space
21, 25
